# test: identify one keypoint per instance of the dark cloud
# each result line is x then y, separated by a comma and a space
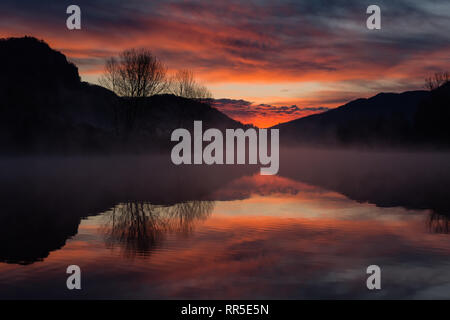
223, 41
243, 109
300, 36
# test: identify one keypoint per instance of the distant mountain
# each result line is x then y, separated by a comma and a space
44, 107
387, 119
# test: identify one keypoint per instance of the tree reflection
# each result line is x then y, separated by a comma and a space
438, 223
138, 227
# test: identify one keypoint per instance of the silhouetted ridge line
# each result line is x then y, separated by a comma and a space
411, 119
45, 108
28, 60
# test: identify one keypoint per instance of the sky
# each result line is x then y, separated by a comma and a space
265, 62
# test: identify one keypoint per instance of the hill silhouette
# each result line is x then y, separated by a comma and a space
432, 117
45, 107
28, 62
413, 118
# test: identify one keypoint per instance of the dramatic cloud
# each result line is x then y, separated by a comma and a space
262, 115
235, 45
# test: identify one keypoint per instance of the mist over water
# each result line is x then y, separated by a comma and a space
141, 227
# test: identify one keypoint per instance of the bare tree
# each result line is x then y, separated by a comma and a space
183, 84
437, 80
135, 73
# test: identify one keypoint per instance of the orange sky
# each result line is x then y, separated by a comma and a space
276, 54
297, 232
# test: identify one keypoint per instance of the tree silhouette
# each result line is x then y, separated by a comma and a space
135, 73
183, 84
437, 80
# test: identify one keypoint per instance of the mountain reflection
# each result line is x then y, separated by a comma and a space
309, 232
45, 198
138, 227
412, 180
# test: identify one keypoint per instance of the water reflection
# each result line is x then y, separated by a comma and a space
43, 199
411, 180
139, 227
226, 232
438, 223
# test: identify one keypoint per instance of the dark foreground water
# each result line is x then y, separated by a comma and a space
141, 228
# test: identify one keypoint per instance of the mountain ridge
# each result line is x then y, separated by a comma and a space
46, 108
387, 118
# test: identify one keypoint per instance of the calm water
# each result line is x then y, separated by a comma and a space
139, 228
